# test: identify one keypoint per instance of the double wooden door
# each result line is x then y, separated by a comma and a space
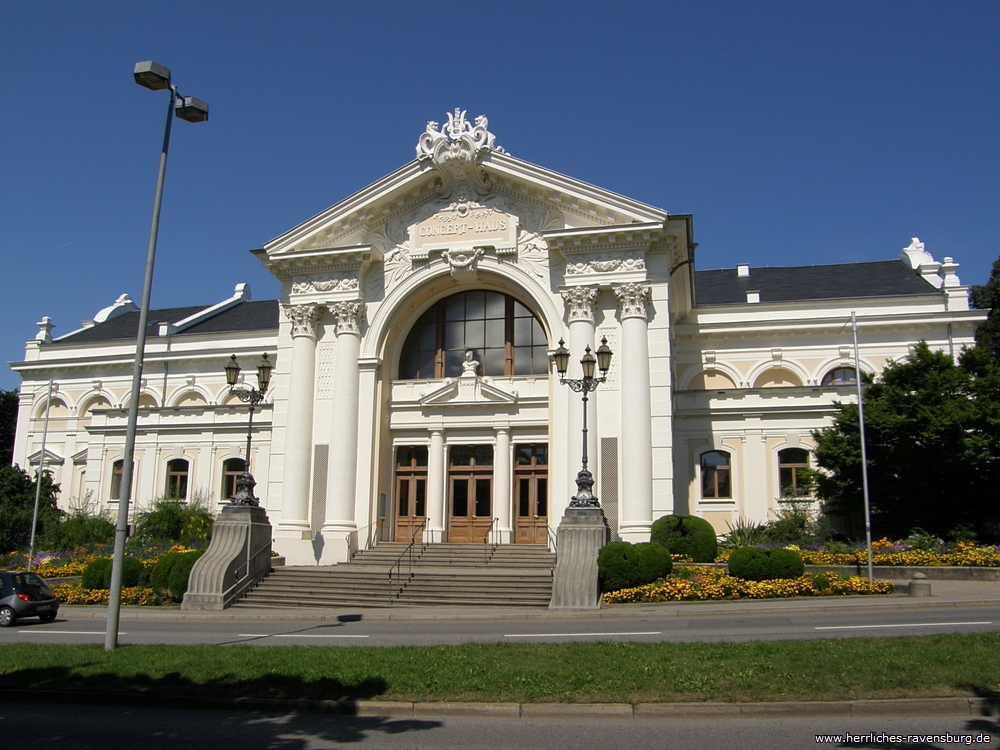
470, 492
531, 494
411, 491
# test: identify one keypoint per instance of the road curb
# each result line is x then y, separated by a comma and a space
432, 710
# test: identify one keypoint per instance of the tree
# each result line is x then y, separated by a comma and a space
933, 441
987, 297
8, 425
17, 504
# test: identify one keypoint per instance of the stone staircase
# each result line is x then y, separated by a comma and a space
509, 575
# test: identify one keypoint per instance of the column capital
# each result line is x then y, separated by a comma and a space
580, 302
347, 316
304, 318
632, 299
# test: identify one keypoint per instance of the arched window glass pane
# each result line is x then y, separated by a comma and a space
840, 376
177, 479
231, 468
503, 335
715, 478
791, 462
116, 480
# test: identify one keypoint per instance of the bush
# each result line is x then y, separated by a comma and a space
168, 520
621, 565
785, 563
77, 530
169, 576
180, 573
97, 575
754, 564
17, 504
750, 564
686, 535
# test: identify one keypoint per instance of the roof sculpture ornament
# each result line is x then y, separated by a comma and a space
454, 150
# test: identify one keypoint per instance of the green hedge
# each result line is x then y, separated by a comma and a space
686, 535
755, 564
621, 565
97, 575
169, 577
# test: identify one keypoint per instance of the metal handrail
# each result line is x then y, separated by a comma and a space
490, 538
397, 589
555, 551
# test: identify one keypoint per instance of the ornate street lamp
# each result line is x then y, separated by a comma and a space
584, 498
253, 396
154, 77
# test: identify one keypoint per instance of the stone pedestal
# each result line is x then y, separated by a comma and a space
579, 539
238, 556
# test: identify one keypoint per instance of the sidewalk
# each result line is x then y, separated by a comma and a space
943, 594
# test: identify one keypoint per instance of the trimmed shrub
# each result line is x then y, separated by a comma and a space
169, 576
686, 535
750, 564
754, 564
179, 574
97, 575
621, 565
786, 563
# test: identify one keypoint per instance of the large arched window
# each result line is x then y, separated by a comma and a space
791, 462
502, 334
715, 479
841, 376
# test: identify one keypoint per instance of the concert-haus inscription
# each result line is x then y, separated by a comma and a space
474, 227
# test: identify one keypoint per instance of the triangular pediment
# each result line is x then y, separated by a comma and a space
459, 167
51, 458
467, 391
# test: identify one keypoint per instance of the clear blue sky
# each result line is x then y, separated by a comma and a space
794, 132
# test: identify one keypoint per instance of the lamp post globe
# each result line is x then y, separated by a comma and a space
245, 482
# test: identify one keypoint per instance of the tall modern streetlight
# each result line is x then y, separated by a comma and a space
156, 78
245, 481
584, 497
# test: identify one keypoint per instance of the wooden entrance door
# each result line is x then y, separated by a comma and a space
411, 490
470, 492
531, 494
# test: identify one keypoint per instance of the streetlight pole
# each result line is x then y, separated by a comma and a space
253, 396
584, 497
156, 78
864, 452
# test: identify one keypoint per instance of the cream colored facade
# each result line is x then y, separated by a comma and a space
465, 222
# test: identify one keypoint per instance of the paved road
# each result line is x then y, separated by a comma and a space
101, 728
648, 624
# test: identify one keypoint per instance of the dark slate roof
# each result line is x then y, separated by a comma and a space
881, 278
255, 315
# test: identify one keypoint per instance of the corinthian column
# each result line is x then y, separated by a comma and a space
636, 430
340, 529
299, 428
581, 302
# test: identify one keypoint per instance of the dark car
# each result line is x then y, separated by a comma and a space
25, 595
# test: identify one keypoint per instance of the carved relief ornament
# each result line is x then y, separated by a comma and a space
592, 264
347, 316
304, 318
454, 150
580, 302
341, 282
632, 299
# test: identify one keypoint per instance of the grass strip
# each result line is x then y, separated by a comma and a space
834, 669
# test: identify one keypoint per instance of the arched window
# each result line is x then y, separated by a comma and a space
231, 468
177, 478
502, 334
116, 480
791, 462
715, 478
841, 376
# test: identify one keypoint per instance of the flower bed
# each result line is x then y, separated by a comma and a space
74, 593
703, 583
884, 552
